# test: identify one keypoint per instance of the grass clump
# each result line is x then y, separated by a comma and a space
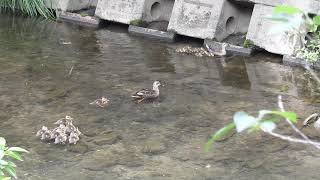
139, 22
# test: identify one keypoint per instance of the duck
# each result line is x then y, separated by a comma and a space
223, 51
103, 102
147, 94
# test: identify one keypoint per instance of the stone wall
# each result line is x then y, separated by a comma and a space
70, 5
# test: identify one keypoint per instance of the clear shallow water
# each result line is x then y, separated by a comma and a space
161, 140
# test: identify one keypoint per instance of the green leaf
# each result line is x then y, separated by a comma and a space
3, 163
288, 115
1, 153
18, 149
285, 9
268, 126
2, 177
219, 134
2, 141
14, 155
11, 171
12, 164
243, 121
316, 20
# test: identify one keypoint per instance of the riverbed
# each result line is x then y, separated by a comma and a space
162, 140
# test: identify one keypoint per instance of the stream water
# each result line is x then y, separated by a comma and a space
162, 140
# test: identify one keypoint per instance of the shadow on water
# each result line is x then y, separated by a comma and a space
159, 140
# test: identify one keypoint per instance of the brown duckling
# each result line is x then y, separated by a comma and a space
65, 120
42, 130
61, 139
46, 135
73, 138
103, 102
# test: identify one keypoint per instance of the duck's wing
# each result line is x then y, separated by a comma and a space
144, 93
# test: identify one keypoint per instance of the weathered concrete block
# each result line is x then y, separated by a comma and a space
122, 11
260, 33
294, 61
88, 21
140, 31
231, 49
70, 5
157, 10
208, 19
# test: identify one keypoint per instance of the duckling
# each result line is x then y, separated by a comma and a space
103, 102
61, 139
42, 130
46, 135
65, 120
58, 130
73, 138
148, 94
70, 128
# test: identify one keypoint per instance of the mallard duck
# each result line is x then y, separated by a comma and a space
147, 94
73, 138
103, 102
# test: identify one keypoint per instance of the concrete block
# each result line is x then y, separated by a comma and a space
88, 21
299, 62
122, 11
140, 31
231, 49
260, 33
70, 5
207, 19
157, 10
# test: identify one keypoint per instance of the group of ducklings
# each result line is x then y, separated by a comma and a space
65, 132
199, 52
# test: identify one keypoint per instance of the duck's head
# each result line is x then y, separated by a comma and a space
156, 84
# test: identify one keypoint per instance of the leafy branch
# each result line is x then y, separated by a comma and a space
7, 166
266, 122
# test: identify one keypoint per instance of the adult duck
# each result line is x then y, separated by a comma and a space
148, 94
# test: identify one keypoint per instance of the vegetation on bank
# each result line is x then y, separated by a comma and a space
27, 7
298, 23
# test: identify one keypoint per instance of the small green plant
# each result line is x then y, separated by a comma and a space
247, 43
7, 166
83, 14
139, 22
311, 52
266, 121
